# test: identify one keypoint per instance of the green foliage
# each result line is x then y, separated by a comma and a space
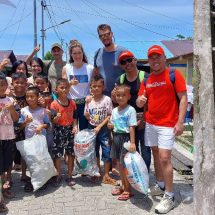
48, 56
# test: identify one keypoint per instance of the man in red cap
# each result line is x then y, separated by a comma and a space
164, 120
133, 78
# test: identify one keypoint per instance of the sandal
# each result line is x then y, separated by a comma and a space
3, 207
109, 180
124, 196
117, 191
7, 194
28, 187
70, 181
115, 172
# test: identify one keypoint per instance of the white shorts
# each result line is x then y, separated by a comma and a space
162, 137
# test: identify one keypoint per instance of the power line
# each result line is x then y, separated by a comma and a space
130, 22
18, 25
155, 12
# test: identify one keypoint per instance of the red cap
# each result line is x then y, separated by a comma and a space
155, 50
125, 54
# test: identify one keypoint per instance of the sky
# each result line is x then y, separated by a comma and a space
136, 24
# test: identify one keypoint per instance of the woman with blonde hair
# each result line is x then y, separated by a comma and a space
79, 73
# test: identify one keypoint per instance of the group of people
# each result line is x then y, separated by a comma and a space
121, 104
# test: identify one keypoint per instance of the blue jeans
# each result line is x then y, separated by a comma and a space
145, 150
102, 139
82, 121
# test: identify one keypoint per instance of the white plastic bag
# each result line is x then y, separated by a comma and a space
35, 153
84, 148
136, 171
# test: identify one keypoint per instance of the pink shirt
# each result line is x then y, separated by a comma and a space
6, 121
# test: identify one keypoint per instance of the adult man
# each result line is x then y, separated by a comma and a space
106, 58
132, 77
53, 68
164, 121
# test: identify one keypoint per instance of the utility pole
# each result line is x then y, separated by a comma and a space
204, 107
35, 25
43, 4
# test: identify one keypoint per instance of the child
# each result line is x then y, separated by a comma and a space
98, 112
64, 127
19, 83
41, 81
123, 122
34, 119
8, 115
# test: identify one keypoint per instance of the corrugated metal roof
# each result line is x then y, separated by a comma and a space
179, 47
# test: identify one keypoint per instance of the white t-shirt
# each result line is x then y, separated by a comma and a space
99, 110
83, 75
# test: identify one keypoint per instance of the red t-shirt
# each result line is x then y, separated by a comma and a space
162, 101
67, 112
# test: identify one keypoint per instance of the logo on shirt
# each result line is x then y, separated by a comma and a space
156, 84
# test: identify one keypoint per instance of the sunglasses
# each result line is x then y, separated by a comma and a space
128, 60
101, 36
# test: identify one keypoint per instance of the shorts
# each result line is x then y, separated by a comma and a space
162, 137
102, 139
7, 150
117, 150
63, 139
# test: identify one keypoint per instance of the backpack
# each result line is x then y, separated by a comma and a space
140, 75
172, 79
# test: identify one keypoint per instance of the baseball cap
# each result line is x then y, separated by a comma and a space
155, 50
57, 45
125, 54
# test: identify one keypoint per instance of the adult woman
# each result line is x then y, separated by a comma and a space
79, 73
36, 68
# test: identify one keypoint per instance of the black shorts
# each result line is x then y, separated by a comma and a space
7, 149
117, 150
63, 139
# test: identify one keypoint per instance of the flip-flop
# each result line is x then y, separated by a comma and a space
117, 191
124, 196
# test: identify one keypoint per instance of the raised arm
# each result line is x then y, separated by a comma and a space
30, 57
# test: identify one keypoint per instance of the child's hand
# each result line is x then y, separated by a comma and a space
39, 129
74, 81
58, 116
10, 107
75, 129
110, 125
5, 62
97, 129
41, 101
132, 147
28, 120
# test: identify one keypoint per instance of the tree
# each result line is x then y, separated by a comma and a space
180, 36
48, 56
204, 120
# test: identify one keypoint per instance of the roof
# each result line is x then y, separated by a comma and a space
21, 57
7, 54
178, 47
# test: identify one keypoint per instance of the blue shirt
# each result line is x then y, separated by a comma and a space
122, 120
